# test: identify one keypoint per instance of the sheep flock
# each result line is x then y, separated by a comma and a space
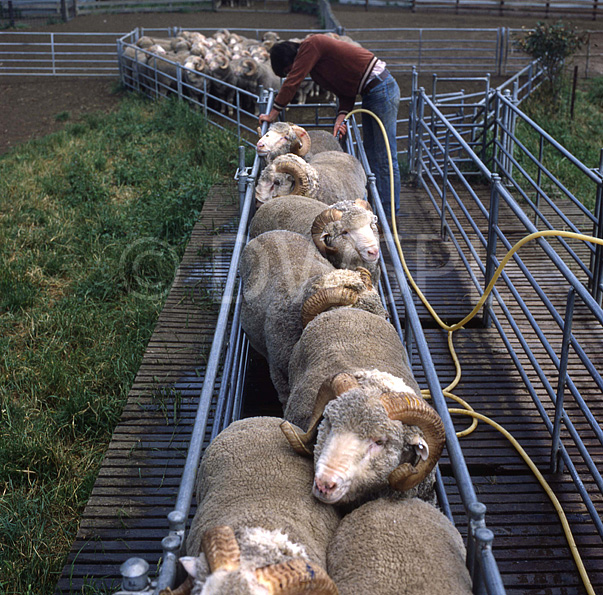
336, 496
213, 65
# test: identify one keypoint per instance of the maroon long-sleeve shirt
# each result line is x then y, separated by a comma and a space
337, 66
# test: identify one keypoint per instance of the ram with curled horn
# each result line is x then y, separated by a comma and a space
285, 137
345, 233
331, 176
368, 428
257, 528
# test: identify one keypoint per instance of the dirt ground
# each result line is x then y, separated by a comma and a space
29, 106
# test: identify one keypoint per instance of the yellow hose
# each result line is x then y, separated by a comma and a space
468, 410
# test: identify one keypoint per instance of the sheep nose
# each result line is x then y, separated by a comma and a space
373, 251
325, 486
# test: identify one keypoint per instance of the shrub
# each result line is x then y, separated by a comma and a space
551, 44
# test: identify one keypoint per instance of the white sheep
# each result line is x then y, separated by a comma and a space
284, 137
257, 524
280, 271
332, 176
398, 547
378, 436
346, 233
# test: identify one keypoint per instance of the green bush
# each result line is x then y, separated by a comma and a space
551, 44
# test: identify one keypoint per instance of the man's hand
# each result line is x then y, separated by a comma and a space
340, 129
271, 117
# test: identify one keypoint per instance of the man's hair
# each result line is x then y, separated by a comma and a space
282, 55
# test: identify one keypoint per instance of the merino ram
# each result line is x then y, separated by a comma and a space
410, 548
257, 528
346, 233
280, 271
283, 137
332, 176
352, 388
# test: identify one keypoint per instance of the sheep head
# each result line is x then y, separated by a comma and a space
338, 288
282, 138
346, 234
287, 174
220, 570
375, 432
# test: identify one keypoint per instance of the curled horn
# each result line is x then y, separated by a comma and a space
329, 390
297, 171
365, 277
296, 577
414, 411
318, 226
305, 143
251, 65
360, 202
324, 299
221, 548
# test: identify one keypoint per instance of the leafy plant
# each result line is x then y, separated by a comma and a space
551, 44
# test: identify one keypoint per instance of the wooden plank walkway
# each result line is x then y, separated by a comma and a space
137, 486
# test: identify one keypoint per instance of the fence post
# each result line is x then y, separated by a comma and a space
412, 120
596, 258
477, 515
443, 226
491, 246
556, 461
419, 133
11, 13
64, 15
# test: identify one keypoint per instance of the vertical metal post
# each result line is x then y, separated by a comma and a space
11, 13
539, 179
443, 226
412, 120
556, 460
180, 91
477, 514
491, 247
505, 139
134, 575
242, 178
52, 53
486, 113
420, 122
205, 96
64, 15
596, 259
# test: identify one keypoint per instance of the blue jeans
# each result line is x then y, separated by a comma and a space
383, 100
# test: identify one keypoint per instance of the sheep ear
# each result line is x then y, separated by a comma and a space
188, 563
421, 447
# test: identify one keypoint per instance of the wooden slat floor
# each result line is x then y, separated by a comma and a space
126, 515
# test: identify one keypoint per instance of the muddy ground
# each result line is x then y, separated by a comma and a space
29, 106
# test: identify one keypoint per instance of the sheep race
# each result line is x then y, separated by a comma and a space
338, 495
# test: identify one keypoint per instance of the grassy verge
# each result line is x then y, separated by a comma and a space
581, 133
93, 223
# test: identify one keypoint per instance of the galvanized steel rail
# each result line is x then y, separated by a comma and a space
576, 429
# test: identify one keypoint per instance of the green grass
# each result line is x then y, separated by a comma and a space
581, 135
93, 223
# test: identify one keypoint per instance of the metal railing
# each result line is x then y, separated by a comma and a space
58, 54
531, 333
447, 51
524, 166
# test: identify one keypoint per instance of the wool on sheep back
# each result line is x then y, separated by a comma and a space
398, 547
250, 477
